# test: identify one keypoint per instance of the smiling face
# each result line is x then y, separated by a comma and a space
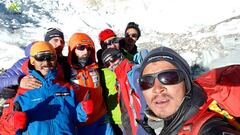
44, 66
163, 100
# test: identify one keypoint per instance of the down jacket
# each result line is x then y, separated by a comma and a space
12, 75
52, 108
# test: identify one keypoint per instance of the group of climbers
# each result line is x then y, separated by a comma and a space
123, 90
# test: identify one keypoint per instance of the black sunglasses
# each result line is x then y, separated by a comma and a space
134, 35
83, 47
44, 56
111, 42
166, 77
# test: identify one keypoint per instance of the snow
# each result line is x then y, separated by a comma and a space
204, 32
9, 54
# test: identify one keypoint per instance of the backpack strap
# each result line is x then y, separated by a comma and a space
193, 125
214, 107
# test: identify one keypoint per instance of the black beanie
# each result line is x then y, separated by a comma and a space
110, 53
167, 54
53, 32
134, 26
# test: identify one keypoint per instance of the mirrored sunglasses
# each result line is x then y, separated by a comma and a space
44, 56
112, 41
134, 35
83, 47
166, 77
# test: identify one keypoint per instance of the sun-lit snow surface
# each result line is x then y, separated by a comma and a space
9, 54
205, 32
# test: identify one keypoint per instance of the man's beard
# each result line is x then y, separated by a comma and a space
82, 62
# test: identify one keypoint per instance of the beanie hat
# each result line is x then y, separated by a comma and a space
40, 46
105, 34
53, 32
134, 26
110, 53
167, 54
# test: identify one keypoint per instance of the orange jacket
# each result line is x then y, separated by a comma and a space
87, 78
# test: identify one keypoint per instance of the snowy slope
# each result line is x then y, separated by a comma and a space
204, 32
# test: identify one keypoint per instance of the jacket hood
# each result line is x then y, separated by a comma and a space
80, 38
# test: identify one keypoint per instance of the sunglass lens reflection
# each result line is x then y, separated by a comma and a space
166, 78
44, 56
82, 47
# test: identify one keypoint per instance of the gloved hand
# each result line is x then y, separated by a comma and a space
19, 117
20, 120
87, 104
9, 92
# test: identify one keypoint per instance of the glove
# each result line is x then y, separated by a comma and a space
8, 92
20, 120
87, 106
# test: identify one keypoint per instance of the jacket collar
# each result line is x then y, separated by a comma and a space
47, 79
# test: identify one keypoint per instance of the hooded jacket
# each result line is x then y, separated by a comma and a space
86, 77
52, 108
129, 100
7, 118
194, 99
188, 109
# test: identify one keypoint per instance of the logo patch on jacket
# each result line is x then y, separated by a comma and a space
95, 77
62, 94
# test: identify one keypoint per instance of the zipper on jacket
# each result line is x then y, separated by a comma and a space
51, 130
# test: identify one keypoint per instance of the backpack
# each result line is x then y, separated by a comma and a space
222, 86
6, 119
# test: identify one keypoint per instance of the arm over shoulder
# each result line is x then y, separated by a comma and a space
12, 75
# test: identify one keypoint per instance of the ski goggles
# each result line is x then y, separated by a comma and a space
166, 77
44, 56
111, 42
134, 35
82, 47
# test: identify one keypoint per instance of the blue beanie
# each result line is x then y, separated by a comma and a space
53, 32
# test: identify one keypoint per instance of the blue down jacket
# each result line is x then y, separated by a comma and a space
12, 75
52, 108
